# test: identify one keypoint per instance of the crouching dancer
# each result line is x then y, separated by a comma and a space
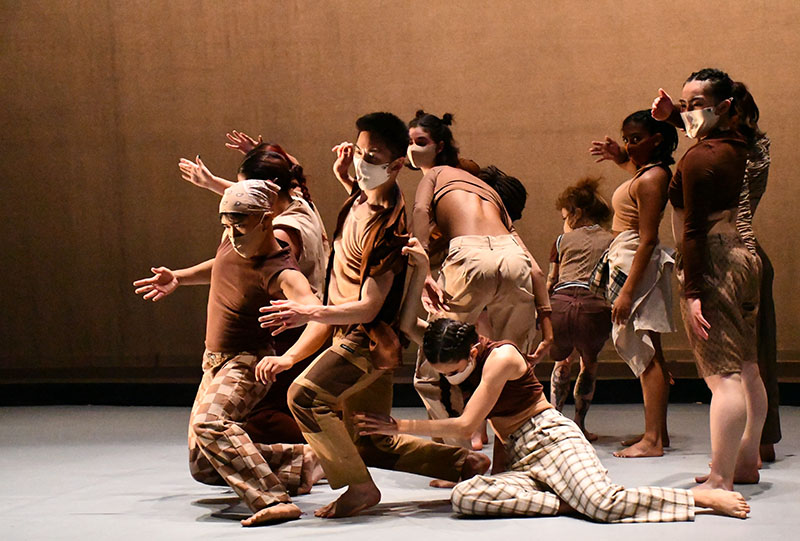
250, 269
366, 274
553, 469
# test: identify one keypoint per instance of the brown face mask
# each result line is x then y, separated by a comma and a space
641, 152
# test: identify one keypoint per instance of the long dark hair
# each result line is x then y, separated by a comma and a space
447, 340
439, 130
510, 190
746, 112
669, 135
268, 161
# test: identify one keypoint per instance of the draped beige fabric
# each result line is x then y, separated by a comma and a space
101, 98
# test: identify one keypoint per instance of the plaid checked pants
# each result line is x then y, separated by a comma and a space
221, 452
550, 461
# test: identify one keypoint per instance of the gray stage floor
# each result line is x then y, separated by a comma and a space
121, 473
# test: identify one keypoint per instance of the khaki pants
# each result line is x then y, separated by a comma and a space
323, 398
221, 452
480, 273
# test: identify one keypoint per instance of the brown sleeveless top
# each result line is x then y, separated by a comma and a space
520, 398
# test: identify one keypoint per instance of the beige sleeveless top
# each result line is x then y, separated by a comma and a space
299, 216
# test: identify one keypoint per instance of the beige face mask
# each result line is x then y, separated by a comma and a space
422, 156
247, 244
461, 377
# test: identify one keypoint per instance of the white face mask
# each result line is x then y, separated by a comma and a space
460, 377
699, 122
422, 156
368, 175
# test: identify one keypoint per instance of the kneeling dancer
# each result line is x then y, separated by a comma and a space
552, 468
250, 269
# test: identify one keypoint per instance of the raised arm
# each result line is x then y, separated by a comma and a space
341, 167
164, 281
650, 191
242, 142
609, 149
198, 174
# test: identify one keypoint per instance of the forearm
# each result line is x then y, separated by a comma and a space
218, 185
641, 258
546, 324
412, 304
454, 427
361, 311
309, 342
346, 181
199, 274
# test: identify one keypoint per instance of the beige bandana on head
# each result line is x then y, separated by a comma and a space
249, 197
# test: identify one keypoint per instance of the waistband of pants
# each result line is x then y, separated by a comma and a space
483, 241
530, 424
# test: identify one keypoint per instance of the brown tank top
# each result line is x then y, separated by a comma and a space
518, 395
239, 287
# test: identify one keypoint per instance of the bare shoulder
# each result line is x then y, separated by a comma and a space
506, 360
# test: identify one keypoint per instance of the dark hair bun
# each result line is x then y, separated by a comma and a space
447, 119
420, 113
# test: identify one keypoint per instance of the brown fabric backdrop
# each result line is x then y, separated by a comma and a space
101, 98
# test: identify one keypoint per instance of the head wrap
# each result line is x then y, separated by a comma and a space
251, 196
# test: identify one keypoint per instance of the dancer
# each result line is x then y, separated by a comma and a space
553, 468
637, 268
753, 188
249, 270
581, 319
366, 275
297, 221
720, 276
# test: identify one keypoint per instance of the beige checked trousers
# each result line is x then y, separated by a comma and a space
550, 461
221, 452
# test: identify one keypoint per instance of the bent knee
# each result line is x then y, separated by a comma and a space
464, 496
301, 402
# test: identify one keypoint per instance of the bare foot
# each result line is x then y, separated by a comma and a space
280, 512
723, 501
743, 476
441, 483
636, 439
641, 449
312, 471
475, 464
356, 499
590, 436
767, 452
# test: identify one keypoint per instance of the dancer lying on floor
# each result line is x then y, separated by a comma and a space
553, 469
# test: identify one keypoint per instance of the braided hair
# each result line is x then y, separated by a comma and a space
447, 340
439, 130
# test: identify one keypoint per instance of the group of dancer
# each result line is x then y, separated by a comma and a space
303, 333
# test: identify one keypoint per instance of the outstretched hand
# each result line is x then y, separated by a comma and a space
195, 172
417, 255
662, 106
284, 314
162, 283
607, 149
369, 424
242, 142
